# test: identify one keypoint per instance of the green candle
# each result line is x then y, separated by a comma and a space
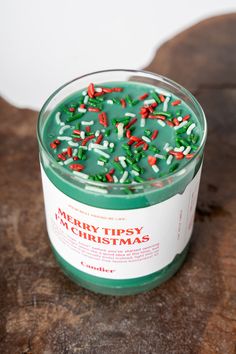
121, 166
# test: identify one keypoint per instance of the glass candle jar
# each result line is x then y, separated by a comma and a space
104, 239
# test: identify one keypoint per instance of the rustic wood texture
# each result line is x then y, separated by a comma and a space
41, 311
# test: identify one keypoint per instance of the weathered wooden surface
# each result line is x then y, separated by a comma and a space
41, 311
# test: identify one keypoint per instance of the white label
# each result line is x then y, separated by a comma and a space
119, 244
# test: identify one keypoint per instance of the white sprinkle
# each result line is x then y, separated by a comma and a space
81, 174
162, 157
109, 101
68, 161
86, 98
122, 161
103, 130
72, 143
82, 110
75, 152
120, 129
91, 122
165, 104
159, 121
142, 122
82, 135
181, 125
187, 150
61, 163
166, 146
180, 149
58, 118
97, 146
147, 102
61, 131
99, 152
96, 189
97, 133
115, 179
180, 119
169, 160
128, 114
124, 177
145, 138
190, 128
169, 148
134, 173
64, 138
83, 147
105, 143
100, 163
98, 89
111, 145
155, 168
181, 172
84, 93
163, 92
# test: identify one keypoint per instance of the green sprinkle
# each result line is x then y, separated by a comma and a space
77, 126
166, 114
183, 142
129, 100
129, 160
147, 132
127, 191
178, 113
75, 135
118, 166
125, 147
181, 131
153, 148
134, 102
107, 132
129, 153
138, 179
84, 157
136, 167
194, 138
116, 100
156, 98
103, 159
80, 153
194, 147
174, 167
74, 117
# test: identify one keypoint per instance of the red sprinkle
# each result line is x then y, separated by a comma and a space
134, 120
112, 171
152, 160
123, 103
154, 134
154, 104
145, 146
103, 119
145, 95
76, 131
178, 155
82, 105
117, 89
72, 109
168, 122
128, 134
69, 151
186, 117
106, 90
84, 142
53, 145
135, 138
77, 167
75, 158
130, 142
93, 109
189, 156
88, 129
109, 178
91, 90
98, 94
162, 98
62, 157
176, 103
141, 142
57, 142
175, 121
99, 139
158, 116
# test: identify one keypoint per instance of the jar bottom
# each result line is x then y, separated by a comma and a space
119, 287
